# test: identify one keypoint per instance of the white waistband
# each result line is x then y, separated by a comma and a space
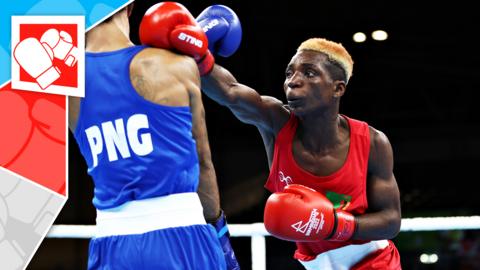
136, 217
345, 257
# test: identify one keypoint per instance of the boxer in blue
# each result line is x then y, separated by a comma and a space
141, 130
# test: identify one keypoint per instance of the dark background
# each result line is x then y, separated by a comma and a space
418, 87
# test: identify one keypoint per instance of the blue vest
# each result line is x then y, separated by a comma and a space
135, 149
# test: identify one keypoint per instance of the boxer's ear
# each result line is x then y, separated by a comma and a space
130, 9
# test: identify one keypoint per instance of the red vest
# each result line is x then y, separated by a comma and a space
346, 187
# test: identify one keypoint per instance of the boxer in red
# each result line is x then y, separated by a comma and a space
335, 193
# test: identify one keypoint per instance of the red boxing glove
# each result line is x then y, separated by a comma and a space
169, 25
301, 214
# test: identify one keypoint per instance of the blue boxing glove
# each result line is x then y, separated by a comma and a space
224, 237
223, 29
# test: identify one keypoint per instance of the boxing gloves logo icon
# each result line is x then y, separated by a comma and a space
36, 56
61, 45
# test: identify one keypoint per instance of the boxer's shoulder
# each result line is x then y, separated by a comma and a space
163, 77
154, 61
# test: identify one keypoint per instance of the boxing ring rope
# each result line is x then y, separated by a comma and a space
258, 232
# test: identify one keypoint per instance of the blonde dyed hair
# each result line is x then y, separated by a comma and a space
335, 52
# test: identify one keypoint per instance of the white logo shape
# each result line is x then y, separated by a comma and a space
189, 39
313, 223
287, 180
210, 25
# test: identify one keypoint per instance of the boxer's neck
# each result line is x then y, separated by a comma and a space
110, 35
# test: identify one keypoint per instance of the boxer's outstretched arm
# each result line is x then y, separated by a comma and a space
384, 215
265, 112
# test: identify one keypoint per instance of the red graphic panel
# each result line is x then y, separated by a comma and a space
69, 75
33, 136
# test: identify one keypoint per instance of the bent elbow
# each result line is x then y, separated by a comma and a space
395, 224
